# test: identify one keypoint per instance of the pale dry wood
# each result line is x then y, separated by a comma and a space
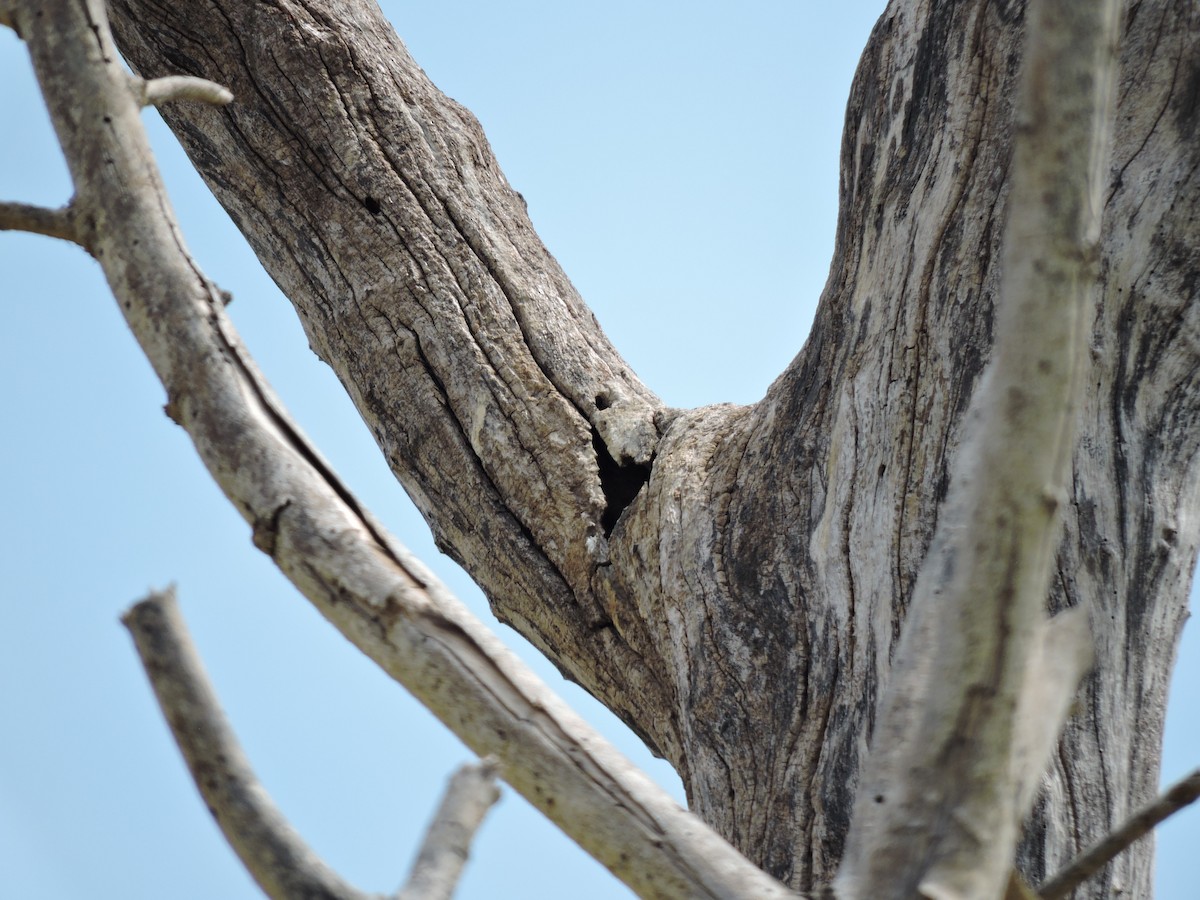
275, 855
278, 859
158, 91
1060, 655
360, 578
744, 608
55, 223
982, 680
470, 794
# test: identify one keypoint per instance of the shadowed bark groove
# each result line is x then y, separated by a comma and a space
741, 611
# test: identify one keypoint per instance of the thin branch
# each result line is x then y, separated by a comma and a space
274, 854
158, 91
55, 223
359, 577
1178, 796
471, 793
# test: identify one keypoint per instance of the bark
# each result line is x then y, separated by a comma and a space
732, 580
982, 680
312, 527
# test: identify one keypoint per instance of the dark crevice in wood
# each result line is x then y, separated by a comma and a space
619, 483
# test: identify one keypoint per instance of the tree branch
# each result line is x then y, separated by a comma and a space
494, 393
55, 223
1092, 860
792, 552
278, 859
471, 793
157, 91
356, 574
982, 681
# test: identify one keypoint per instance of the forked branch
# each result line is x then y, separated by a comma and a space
274, 854
279, 860
356, 574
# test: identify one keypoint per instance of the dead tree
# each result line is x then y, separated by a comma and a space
734, 581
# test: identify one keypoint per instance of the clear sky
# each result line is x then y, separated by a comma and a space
681, 162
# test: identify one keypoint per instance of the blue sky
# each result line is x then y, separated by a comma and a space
680, 161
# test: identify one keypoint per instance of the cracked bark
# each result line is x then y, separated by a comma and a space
740, 609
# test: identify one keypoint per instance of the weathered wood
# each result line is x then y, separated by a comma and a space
376, 204
276, 857
362, 580
742, 611
982, 680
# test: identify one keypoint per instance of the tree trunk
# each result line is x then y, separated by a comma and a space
732, 581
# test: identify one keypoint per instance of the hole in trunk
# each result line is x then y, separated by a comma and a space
619, 483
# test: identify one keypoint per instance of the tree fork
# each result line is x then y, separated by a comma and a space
744, 609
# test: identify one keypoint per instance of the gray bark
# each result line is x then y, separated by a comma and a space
732, 580
312, 527
982, 680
